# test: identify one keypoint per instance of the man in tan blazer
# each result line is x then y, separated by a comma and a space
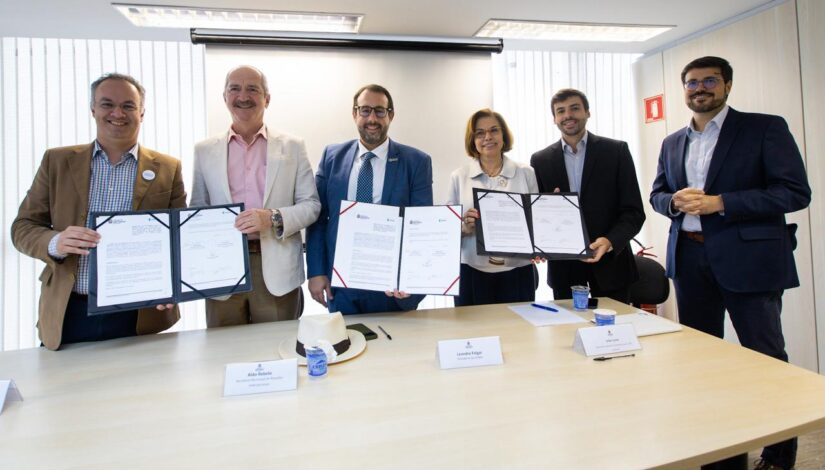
111, 173
270, 173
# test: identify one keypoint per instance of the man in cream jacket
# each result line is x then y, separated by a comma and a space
270, 173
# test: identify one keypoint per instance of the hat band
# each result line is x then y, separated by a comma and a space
340, 347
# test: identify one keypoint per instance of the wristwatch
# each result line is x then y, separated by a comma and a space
277, 221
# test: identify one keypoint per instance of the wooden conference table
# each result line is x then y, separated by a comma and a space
155, 402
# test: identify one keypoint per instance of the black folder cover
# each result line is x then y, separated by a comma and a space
244, 284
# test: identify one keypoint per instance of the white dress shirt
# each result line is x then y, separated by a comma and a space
699, 152
514, 177
379, 169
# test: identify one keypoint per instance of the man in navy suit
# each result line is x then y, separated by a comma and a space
726, 182
397, 175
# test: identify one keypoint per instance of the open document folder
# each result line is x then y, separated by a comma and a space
150, 258
527, 225
416, 250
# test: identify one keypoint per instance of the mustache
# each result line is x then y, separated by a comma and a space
701, 93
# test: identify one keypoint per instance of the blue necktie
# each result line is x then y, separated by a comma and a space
363, 192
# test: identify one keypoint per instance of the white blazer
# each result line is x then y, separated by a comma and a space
290, 188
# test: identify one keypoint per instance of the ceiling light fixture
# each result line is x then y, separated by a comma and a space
162, 16
558, 31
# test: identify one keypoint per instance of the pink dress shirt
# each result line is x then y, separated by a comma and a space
246, 167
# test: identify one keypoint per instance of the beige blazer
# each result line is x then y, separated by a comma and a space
58, 198
290, 188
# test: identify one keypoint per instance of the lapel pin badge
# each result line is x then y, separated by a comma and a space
148, 175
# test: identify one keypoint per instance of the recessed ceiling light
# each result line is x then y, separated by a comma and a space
557, 31
161, 16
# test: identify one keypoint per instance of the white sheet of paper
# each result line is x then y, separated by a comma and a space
431, 250
504, 224
541, 317
367, 246
469, 352
647, 324
8, 392
134, 261
211, 249
602, 340
247, 378
557, 224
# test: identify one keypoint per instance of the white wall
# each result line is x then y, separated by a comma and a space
434, 94
764, 52
811, 14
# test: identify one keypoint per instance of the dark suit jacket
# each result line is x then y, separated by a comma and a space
757, 169
408, 181
610, 201
58, 198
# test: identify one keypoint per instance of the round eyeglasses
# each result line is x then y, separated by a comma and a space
709, 83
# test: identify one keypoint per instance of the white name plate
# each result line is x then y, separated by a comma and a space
8, 391
608, 339
470, 352
247, 378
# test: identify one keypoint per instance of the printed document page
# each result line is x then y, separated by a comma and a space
431, 250
211, 249
504, 224
134, 260
367, 246
557, 224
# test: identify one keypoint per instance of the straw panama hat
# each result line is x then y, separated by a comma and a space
329, 327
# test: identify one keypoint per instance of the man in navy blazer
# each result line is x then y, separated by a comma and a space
401, 176
726, 182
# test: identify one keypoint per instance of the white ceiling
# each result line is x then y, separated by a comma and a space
96, 19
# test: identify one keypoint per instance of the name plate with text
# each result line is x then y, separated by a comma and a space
247, 378
470, 352
8, 391
608, 339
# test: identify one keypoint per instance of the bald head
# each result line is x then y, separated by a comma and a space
248, 69
246, 96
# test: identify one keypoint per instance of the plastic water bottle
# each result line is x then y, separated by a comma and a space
316, 363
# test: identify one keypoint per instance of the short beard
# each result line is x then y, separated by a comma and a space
709, 106
371, 139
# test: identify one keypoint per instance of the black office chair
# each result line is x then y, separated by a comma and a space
653, 286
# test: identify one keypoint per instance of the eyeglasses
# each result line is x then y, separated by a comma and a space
709, 83
365, 111
482, 133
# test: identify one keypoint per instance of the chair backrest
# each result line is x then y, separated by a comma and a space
653, 286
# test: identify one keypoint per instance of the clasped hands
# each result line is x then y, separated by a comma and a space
694, 201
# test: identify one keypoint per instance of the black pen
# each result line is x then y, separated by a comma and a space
603, 358
385, 333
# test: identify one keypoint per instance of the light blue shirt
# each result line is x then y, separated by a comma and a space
700, 147
574, 162
111, 189
379, 169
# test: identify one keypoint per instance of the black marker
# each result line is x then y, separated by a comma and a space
385, 333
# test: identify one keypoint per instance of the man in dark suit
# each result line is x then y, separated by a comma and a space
601, 170
372, 169
726, 182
